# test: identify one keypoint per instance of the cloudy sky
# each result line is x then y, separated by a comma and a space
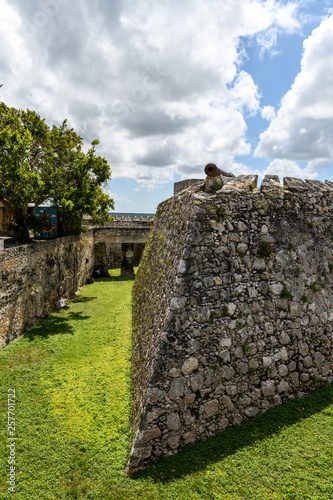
170, 86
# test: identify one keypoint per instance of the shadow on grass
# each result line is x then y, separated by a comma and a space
54, 325
82, 299
115, 278
194, 458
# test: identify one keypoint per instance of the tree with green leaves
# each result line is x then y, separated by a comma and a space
77, 179
25, 162
39, 165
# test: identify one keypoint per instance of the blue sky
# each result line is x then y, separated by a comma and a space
168, 87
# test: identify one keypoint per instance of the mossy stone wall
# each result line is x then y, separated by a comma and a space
34, 277
232, 309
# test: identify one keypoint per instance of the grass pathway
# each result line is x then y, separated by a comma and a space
71, 374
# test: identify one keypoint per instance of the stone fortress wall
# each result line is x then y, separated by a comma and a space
34, 277
232, 309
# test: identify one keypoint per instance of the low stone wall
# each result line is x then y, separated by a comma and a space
181, 185
232, 309
33, 277
5, 221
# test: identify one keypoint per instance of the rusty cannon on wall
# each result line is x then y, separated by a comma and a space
211, 170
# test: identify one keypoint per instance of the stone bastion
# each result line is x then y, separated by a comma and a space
232, 309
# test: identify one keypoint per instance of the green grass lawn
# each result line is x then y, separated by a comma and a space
71, 373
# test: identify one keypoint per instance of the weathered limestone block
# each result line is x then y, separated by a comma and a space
173, 442
283, 370
173, 422
283, 386
189, 437
268, 387
154, 414
227, 402
189, 366
211, 408
241, 183
295, 184
146, 436
270, 183
267, 361
178, 303
251, 411
303, 348
177, 388
318, 185
196, 382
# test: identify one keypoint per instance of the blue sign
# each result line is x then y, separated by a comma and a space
48, 216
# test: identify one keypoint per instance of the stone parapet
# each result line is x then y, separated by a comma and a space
186, 184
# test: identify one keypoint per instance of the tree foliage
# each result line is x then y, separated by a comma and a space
77, 180
39, 164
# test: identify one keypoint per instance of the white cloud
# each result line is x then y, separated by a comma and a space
159, 83
268, 113
303, 127
244, 93
267, 40
118, 199
289, 168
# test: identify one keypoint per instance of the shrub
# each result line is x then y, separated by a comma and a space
285, 294
265, 249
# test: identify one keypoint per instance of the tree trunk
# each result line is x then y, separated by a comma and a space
19, 225
21, 229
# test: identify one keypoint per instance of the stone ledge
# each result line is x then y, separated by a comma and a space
270, 184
